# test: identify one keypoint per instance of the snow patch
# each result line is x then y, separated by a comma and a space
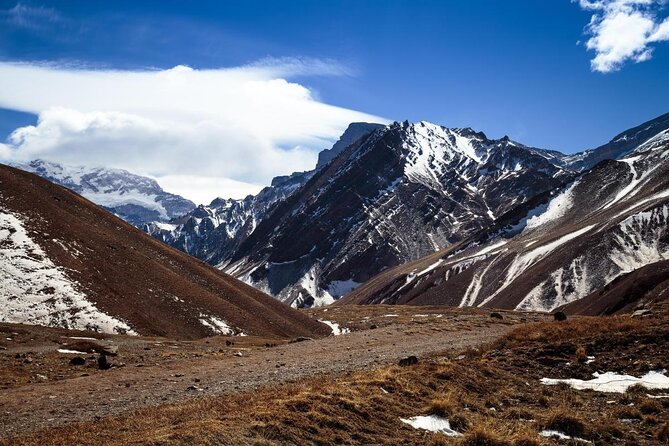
432, 423
339, 288
33, 290
562, 436
309, 282
336, 330
557, 208
218, 326
613, 382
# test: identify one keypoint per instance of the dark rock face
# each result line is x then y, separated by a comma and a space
405, 191
598, 245
354, 132
410, 192
136, 199
559, 316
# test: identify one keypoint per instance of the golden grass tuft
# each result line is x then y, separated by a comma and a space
484, 436
566, 422
572, 329
662, 433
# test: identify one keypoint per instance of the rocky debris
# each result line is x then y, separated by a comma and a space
409, 360
641, 313
301, 339
77, 360
239, 354
103, 364
559, 316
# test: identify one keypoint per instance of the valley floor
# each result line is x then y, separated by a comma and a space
481, 373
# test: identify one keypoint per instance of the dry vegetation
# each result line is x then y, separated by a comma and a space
493, 397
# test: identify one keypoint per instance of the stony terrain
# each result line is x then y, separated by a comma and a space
41, 389
481, 373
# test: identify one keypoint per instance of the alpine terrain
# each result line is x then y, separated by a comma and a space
383, 196
65, 262
597, 245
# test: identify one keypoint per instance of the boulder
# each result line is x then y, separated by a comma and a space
77, 360
409, 360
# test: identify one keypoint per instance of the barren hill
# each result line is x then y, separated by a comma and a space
65, 262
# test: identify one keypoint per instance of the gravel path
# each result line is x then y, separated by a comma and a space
49, 404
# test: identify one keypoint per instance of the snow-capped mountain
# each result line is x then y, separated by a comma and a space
389, 195
606, 229
404, 191
214, 232
134, 198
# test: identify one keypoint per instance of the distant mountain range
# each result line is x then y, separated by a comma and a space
134, 198
393, 195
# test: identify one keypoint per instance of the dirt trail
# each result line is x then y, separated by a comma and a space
36, 406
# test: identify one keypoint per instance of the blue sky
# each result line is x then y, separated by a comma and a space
518, 67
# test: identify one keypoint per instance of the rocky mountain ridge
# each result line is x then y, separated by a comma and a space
566, 251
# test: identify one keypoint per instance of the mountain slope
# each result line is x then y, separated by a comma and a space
619, 146
66, 262
608, 223
134, 198
404, 191
214, 232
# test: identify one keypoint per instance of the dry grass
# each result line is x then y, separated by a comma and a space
567, 422
495, 400
570, 330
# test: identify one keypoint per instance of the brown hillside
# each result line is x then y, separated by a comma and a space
129, 275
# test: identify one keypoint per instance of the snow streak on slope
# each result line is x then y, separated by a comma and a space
569, 284
632, 244
525, 260
35, 291
639, 240
557, 208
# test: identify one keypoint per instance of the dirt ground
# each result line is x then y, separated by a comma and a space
41, 389
483, 374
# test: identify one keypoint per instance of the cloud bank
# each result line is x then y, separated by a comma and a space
624, 30
201, 133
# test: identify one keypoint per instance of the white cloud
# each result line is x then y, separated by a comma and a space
26, 16
623, 30
236, 126
203, 189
